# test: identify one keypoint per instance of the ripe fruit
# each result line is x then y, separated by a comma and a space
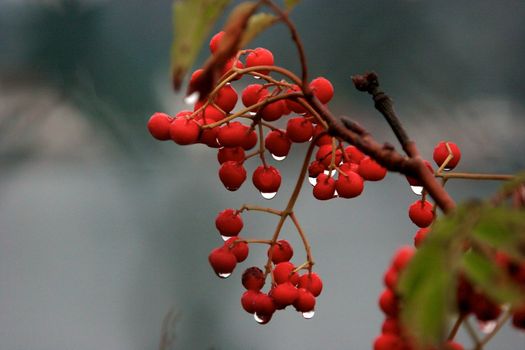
238, 248
441, 153
292, 104
229, 222
451, 345
253, 93
420, 236
280, 251
264, 307
215, 41
390, 278
260, 57
323, 140
232, 175
322, 89
230, 153
388, 303
311, 282
324, 189
210, 114
350, 185
324, 155
284, 294
250, 140
421, 214
229, 65
305, 301
272, 111
184, 131
402, 257
388, 342
253, 278
370, 170
222, 261
266, 179
248, 300
159, 126
391, 326
299, 129
277, 143
315, 168
232, 134
282, 273
226, 98
353, 154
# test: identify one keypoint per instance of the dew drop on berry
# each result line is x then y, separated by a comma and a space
256, 77
329, 172
277, 158
336, 194
191, 99
268, 195
487, 327
252, 113
447, 169
224, 275
417, 190
309, 314
311, 137
312, 180
257, 318
225, 238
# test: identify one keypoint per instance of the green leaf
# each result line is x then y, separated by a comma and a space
425, 288
257, 24
290, 4
502, 228
492, 280
192, 23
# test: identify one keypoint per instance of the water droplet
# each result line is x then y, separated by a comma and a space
278, 158
487, 327
309, 314
310, 139
252, 113
329, 173
447, 169
256, 77
336, 194
268, 195
417, 190
312, 180
224, 275
258, 319
191, 99
225, 238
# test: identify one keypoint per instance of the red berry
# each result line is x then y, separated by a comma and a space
229, 222
315, 168
311, 282
253, 93
266, 179
305, 301
391, 326
324, 155
229, 65
299, 129
420, 236
280, 251
272, 111
323, 140
441, 153
159, 126
209, 137
350, 185
421, 214
322, 89
277, 143
222, 261
232, 175
184, 131
232, 134
353, 154
284, 294
347, 167
215, 41
415, 182
248, 300
260, 57
230, 153
370, 170
253, 278
195, 75
324, 188
238, 248
485, 309
210, 114
388, 303
264, 305
390, 278
250, 140
518, 318
402, 257
389, 342
283, 272
226, 98
451, 345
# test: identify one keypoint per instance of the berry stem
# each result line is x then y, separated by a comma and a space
455, 328
476, 176
309, 259
249, 207
472, 333
504, 318
261, 144
263, 241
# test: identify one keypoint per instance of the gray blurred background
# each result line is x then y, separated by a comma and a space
104, 230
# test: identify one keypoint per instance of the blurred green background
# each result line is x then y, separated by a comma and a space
104, 230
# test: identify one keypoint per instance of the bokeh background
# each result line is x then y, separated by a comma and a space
105, 231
